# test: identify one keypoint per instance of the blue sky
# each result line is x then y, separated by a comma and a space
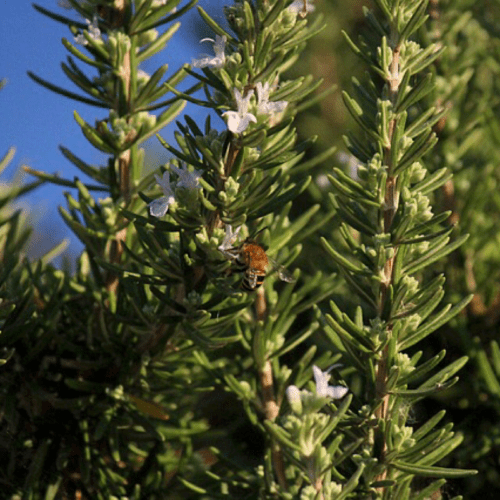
36, 121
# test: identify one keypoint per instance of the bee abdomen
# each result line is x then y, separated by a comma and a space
252, 282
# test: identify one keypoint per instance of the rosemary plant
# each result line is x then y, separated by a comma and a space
467, 85
391, 237
111, 401
193, 353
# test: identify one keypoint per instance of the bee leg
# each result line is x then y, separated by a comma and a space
229, 254
253, 281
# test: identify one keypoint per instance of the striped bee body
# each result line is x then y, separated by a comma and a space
253, 260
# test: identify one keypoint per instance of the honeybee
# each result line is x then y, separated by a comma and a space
251, 258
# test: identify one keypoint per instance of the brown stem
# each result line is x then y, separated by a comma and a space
434, 11
391, 202
271, 407
316, 481
124, 161
230, 159
260, 305
124, 167
271, 411
115, 253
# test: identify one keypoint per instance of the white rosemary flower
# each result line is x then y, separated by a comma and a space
238, 121
93, 31
229, 239
187, 179
325, 390
216, 61
301, 7
264, 106
159, 207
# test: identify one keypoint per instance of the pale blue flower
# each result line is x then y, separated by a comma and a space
297, 397
93, 31
187, 179
301, 7
238, 121
213, 62
159, 207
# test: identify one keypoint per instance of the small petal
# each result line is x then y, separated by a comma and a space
159, 207
262, 91
80, 39
237, 123
276, 107
323, 389
321, 379
264, 106
246, 119
301, 6
229, 239
164, 183
187, 179
93, 31
216, 61
337, 391
220, 45
242, 102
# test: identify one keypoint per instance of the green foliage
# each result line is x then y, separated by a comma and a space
466, 83
390, 237
177, 361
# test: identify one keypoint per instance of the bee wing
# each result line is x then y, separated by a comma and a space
283, 273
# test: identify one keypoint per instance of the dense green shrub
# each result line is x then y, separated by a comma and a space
262, 317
